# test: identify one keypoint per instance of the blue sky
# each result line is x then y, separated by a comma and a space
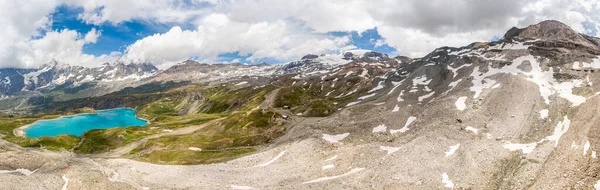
115, 37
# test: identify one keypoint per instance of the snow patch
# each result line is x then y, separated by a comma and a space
595, 64
355, 170
452, 150
560, 129
352, 103
389, 149
396, 108
367, 96
23, 171
241, 187
66, 180
544, 113
272, 160
332, 158
335, 138
242, 83
525, 148
586, 147
472, 129
421, 98
380, 129
378, 87
446, 181
405, 128
460, 103
329, 166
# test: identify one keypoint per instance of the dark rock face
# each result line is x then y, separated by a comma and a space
310, 56
55, 75
374, 54
11, 80
348, 56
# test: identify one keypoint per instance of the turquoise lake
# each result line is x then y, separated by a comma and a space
78, 124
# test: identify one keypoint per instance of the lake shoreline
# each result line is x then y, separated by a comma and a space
20, 132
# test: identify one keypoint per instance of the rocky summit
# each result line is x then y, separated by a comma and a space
517, 113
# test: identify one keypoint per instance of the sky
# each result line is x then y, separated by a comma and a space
166, 32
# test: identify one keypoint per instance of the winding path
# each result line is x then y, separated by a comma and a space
129, 147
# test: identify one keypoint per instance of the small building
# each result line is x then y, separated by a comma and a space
286, 107
285, 117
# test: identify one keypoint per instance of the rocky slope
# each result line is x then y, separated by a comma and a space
517, 113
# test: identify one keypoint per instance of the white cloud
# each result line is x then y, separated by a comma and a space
217, 34
23, 45
321, 16
92, 36
64, 46
117, 11
20, 21
283, 30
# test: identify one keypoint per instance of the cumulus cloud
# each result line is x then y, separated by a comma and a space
282, 30
20, 21
117, 11
217, 34
28, 41
416, 27
318, 15
65, 46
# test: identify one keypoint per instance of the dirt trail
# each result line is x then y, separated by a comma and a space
266, 104
129, 147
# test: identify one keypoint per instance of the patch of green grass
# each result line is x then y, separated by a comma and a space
311, 100
185, 157
243, 128
103, 140
240, 131
57, 143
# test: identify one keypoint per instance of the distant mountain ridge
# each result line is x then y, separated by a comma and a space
111, 77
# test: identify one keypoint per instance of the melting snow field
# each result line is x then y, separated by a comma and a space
595, 64
544, 79
560, 129
460, 103
452, 150
335, 138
